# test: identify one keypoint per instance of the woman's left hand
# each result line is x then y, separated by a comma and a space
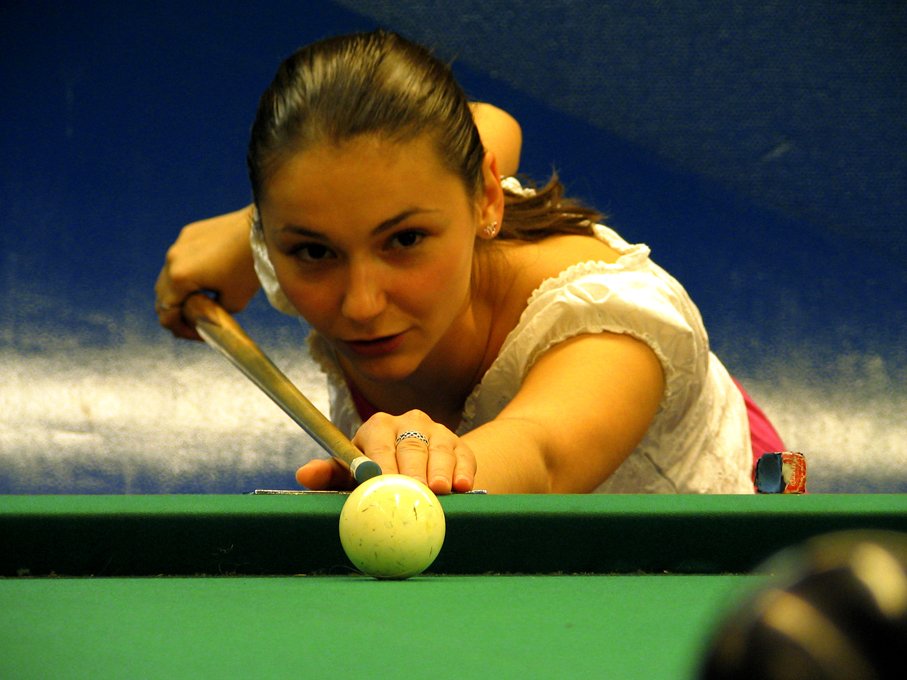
411, 444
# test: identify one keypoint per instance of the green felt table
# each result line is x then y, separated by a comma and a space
258, 586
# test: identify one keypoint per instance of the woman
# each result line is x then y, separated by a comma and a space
474, 333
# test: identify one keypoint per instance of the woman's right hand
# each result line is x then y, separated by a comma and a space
212, 255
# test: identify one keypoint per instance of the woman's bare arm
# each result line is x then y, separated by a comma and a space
501, 134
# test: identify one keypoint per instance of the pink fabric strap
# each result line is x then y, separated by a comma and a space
763, 435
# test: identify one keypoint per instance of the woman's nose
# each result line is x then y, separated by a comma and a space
364, 297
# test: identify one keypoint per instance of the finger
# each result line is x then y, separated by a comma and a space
320, 474
168, 301
464, 477
172, 320
441, 463
376, 439
412, 456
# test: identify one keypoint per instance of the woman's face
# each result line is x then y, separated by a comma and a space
372, 241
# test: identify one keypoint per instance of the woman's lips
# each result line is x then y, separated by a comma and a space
377, 347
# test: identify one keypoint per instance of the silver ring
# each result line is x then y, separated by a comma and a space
412, 434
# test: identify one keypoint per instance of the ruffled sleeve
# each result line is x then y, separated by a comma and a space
631, 296
265, 270
343, 409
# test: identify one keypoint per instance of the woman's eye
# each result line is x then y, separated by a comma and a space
407, 239
312, 252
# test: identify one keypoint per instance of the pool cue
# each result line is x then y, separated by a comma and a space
221, 331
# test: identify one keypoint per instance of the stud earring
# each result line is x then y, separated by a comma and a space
490, 230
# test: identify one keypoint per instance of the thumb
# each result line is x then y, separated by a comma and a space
320, 475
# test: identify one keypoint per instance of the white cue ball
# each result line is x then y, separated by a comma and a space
392, 527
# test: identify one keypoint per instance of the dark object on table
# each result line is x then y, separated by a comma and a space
835, 609
782, 472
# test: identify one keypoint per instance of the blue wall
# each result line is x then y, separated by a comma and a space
786, 222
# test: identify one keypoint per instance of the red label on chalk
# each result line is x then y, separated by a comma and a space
793, 471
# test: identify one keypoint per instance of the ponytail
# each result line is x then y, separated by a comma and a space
534, 214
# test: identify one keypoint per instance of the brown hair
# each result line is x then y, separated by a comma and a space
380, 83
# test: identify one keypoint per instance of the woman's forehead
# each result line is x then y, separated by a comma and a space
365, 176
366, 158
363, 154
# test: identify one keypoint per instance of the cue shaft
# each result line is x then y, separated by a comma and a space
221, 331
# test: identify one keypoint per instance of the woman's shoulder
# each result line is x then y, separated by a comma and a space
529, 265
524, 267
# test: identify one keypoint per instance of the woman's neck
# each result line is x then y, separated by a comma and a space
450, 373
444, 380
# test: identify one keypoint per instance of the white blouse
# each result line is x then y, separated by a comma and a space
699, 441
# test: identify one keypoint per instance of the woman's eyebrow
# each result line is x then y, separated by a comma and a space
389, 223
397, 219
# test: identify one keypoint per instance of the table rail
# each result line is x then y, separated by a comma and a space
281, 535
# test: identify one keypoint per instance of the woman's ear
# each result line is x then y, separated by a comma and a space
491, 202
